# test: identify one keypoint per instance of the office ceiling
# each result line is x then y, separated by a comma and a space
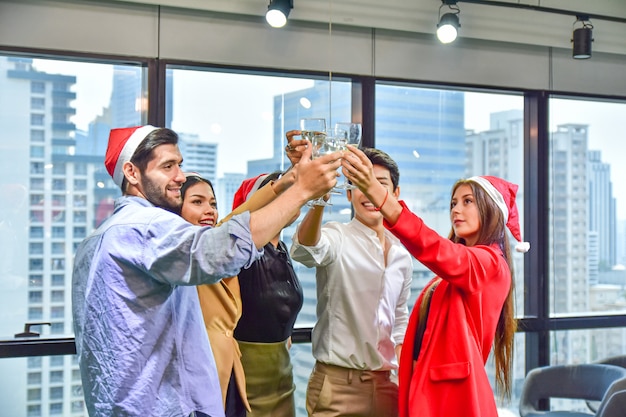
351, 11
518, 21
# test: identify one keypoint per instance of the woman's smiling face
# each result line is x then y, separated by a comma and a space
199, 205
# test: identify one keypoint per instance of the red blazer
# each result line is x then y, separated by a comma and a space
449, 377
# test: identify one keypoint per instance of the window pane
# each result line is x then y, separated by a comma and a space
208, 119
34, 394
57, 280
59, 168
302, 361
56, 393
33, 377
588, 345
59, 114
36, 280
588, 207
36, 248
439, 136
35, 313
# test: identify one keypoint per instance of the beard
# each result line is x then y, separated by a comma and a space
159, 197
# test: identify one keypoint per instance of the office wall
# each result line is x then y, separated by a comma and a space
144, 30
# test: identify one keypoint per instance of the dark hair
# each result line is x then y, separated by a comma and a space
191, 180
270, 177
378, 157
144, 152
493, 230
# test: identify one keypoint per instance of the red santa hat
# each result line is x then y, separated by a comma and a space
503, 194
122, 145
246, 189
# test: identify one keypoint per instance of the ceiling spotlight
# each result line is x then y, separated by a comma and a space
582, 38
448, 26
277, 12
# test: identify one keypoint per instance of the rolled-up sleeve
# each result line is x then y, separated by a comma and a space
321, 254
178, 253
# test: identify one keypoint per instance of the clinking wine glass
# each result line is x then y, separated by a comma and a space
324, 144
309, 128
314, 130
351, 133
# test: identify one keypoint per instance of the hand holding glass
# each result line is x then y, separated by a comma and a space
314, 130
351, 133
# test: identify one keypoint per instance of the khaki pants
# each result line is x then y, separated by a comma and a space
336, 391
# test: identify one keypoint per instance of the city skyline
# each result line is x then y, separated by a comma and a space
64, 194
192, 119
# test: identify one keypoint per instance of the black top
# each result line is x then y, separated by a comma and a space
271, 297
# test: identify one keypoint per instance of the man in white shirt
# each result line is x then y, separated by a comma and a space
363, 278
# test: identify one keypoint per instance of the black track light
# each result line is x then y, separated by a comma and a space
582, 38
448, 26
277, 12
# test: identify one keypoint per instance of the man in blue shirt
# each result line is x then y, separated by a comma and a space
140, 337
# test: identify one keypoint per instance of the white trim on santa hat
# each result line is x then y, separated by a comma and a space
495, 195
257, 185
498, 198
128, 150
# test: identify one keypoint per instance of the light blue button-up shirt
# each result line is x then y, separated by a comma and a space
140, 336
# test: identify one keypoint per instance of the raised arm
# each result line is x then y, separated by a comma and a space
309, 230
313, 178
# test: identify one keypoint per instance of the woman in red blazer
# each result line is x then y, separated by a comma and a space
467, 308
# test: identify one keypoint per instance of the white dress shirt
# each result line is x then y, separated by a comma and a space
362, 309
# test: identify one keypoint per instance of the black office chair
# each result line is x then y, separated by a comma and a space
584, 382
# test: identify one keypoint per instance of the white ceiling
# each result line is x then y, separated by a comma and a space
478, 21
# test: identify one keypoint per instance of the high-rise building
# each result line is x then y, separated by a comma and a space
570, 237
602, 209
43, 223
621, 242
227, 185
570, 228
199, 156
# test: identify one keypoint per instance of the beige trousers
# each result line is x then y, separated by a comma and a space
336, 391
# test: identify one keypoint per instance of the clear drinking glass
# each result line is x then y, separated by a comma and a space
310, 128
351, 133
314, 130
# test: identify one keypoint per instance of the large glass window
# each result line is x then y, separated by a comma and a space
588, 201
58, 114
228, 138
438, 136
232, 126
587, 224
